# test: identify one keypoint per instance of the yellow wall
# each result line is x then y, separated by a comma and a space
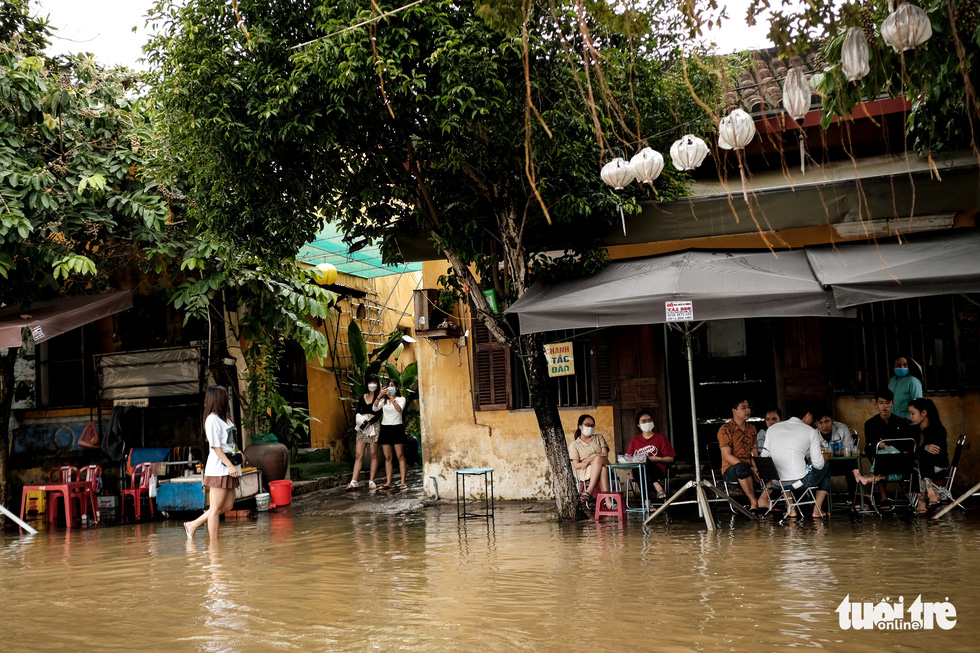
393, 295
959, 413
507, 441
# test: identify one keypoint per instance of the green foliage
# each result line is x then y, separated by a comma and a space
77, 200
419, 122
365, 363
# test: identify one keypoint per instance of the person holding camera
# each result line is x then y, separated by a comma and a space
224, 465
392, 432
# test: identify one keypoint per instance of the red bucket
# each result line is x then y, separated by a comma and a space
282, 492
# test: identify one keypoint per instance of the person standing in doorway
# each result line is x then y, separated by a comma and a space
392, 435
368, 428
221, 473
737, 440
905, 385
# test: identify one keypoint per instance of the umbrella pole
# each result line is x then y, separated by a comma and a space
698, 483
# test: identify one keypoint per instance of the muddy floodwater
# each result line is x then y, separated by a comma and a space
322, 577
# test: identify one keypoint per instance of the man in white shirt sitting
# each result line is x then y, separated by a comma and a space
789, 443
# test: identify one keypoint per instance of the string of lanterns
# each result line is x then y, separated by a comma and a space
905, 28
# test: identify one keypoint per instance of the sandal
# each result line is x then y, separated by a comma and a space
372, 485
585, 497
402, 487
662, 494
384, 487
351, 486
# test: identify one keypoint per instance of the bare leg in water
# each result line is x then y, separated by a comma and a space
222, 500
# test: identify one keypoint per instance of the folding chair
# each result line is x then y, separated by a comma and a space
945, 490
714, 461
788, 489
894, 464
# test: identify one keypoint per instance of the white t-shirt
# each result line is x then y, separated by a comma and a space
789, 443
218, 433
390, 414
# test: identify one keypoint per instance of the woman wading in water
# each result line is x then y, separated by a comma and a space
220, 475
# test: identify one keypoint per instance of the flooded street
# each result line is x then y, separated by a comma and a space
315, 577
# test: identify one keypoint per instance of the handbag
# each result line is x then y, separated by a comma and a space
89, 438
236, 458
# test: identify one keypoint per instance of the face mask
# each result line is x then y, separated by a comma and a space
901, 371
587, 430
372, 387
391, 391
646, 427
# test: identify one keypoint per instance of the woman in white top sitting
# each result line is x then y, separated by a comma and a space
589, 455
220, 476
392, 432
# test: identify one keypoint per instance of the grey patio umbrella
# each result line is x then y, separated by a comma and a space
685, 290
875, 272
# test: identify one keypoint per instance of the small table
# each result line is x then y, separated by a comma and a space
85, 490
485, 472
615, 487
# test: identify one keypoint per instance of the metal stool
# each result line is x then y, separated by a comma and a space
485, 472
618, 509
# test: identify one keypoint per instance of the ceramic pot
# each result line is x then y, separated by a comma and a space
271, 458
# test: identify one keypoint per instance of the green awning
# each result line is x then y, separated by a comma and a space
329, 247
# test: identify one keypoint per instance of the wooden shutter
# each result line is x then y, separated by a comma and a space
491, 370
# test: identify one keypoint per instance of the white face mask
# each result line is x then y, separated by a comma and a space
587, 430
372, 387
646, 427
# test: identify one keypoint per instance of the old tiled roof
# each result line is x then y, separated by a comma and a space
758, 86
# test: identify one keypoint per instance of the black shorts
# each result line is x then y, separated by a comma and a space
392, 434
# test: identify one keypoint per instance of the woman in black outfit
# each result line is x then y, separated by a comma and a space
933, 454
368, 426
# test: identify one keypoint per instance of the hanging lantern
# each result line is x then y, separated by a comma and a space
855, 55
617, 173
324, 274
688, 152
796, 101
906, 27
735, 131
647, 165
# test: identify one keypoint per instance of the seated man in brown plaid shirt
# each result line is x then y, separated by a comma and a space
738, 444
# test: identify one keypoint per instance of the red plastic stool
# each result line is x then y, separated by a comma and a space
618, 509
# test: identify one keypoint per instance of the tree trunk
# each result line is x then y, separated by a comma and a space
545, 404
6, 401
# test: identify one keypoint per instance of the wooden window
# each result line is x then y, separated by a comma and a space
937, 332
500, 383
491, 367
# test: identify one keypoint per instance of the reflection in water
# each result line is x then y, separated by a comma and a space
426, 581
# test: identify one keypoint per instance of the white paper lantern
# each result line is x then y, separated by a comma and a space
647, 165
617, 173
796, 100
906, 27
688, 152
796, 93
855, 55
735, 130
